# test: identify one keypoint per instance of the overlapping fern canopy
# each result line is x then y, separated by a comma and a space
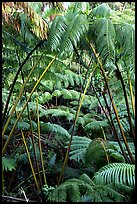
68, 90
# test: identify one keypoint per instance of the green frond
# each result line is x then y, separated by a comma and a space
78, 148
55, 129
96, 125
76, 77
126, 42
105, 40
45, 97
8, 164
56, 31
57, 93
47, 85
102, 10
66, 31
116, 172
54, 112
66, 94
75, 94
74, 189
87, 179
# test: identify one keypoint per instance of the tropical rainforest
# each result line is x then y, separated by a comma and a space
68, 101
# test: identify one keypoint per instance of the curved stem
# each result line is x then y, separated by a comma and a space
127, 104
16, 76
114, 107
35, 86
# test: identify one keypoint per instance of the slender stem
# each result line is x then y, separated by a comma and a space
74, 124
127, 104
111, 123
35, 86
131, 93
114, 130
113, 105
40, 148
31, 128
16, 76
20, 94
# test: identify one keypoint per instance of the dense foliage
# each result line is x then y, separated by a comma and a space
68, 113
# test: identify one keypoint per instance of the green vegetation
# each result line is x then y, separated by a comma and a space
68, 111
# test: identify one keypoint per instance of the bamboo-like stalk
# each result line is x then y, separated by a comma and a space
75, 121
131, 93
40, 148
32, 169
29, 158
18, 98
38, 81
107, 157
115, 132
127, 104
109, 120
31, 128
113, 105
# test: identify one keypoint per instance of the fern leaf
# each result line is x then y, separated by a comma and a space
105, 40
85, 177
45, 97
116, 172
66, 94
66, 30
101, 11
95, 125
78, 148
56, 129
57, 93
75, 94
73, 189
77, 26
8, 164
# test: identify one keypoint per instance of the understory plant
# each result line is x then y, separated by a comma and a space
68, 101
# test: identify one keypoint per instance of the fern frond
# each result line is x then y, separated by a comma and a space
85, 177
102, 10
53, 112
126, 41
66, 31
75, 94
8, 164
57, 93
73, 189
66, 94
78, 148
55, 129
76, 77
116, 172
105, 41
96, 125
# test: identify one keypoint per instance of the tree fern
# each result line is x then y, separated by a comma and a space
117, 173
